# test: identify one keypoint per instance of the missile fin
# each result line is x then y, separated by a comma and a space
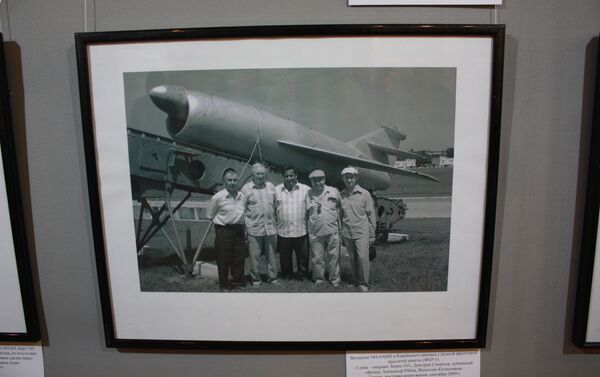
356, 161
395, 152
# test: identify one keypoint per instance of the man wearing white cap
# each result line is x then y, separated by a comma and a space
259, 216
358, 226
323, 206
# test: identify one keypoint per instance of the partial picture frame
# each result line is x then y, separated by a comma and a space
18, 315
414, 109
586, 320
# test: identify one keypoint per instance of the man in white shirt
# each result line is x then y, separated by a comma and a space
226, 209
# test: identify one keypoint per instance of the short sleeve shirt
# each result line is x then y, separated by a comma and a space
224, 209
290, 207
323, 211
259, 214
358, 214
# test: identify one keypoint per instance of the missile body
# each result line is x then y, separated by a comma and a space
233, 128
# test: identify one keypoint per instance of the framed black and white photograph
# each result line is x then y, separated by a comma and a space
293, 187
586, 326
18, 318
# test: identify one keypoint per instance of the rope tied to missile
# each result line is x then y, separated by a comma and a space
256, 145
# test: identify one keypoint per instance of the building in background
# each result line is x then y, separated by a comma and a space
406, 163
442, 161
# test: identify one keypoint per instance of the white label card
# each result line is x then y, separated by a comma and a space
417, 364
21, 361
424, 2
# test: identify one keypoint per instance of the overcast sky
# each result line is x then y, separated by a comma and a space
345, 103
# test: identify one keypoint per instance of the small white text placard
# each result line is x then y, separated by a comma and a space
21, 361
424, 2
417, 364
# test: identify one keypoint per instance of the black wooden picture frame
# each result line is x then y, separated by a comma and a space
17, 223
93, 64
584, 317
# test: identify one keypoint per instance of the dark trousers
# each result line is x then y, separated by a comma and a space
286, 247
230, 244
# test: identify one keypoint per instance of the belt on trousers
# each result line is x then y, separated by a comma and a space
230, 226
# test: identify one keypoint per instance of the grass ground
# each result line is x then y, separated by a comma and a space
417, 265
411, 186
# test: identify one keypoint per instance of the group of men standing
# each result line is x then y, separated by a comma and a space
312, 222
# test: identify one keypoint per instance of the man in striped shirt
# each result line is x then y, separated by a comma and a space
290, 208
259, 216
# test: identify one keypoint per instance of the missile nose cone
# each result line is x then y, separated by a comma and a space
172, 100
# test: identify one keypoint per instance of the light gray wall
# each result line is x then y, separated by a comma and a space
545, 126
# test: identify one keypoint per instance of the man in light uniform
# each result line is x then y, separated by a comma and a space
358, 226
259, 216
323, 205
226, 209
290, 201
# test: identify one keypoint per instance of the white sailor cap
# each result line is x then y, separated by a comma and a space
350, 170
316, 174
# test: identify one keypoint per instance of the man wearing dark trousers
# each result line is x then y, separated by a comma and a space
226, 209
290, 210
